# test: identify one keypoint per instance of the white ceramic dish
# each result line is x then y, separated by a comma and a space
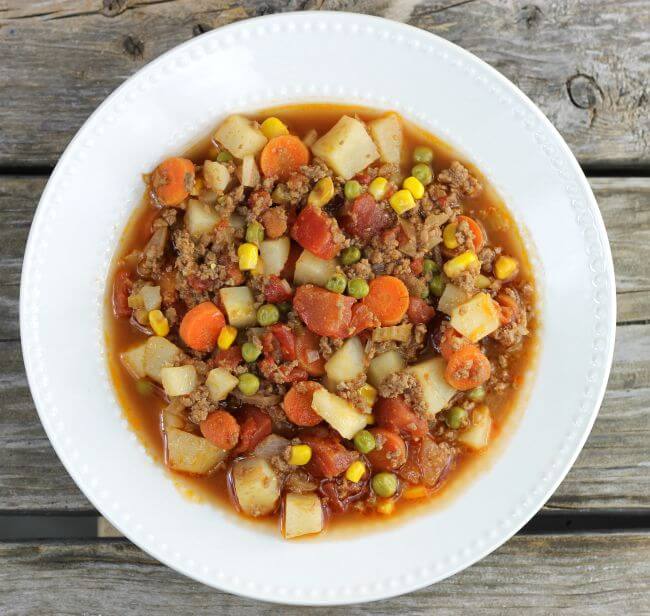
293, 58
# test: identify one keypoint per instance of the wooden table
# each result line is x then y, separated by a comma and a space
585, 63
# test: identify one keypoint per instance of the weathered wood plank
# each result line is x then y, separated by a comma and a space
568, 574
584, 63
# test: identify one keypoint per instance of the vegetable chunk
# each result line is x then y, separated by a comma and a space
436, 391
240, 136
256, 486
192, 454
476, 318
387, 134
303, 515
338, 413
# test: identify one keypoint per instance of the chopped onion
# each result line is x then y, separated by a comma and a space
400, 333
261, 400
312, 356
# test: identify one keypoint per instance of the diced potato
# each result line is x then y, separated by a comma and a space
401, 333
451, 297
310, 138
384, 365
338, 413
303, 515
387, 134
476, 318
478, 433
346, 148
240, 136
200, 218
256, 486
239, 305
347, 363
159, 353
249, 173
436, 392
172, 416
274, 254
192, 454
311, 269
215, 175
133, 360
220, 383
151, 297
272, 445
178, 381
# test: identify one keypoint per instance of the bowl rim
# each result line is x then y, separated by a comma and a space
578, 174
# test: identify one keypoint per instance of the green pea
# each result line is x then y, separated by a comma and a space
224, 156
477, 394
250, 352
437, 285
364, 441
352, 189
425, 292
268, 314
255, 233
358, 288
456, 417
430, 266
337, 283
423, 173
284, 307
249, 384
422, 154
384, 484
144, 387
351, 255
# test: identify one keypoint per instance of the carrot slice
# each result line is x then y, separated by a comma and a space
297, 404
390, 452
477, 232
308, 352
221, 428
453, 341
282, 156
467, 368
172, 180
200, 327
388, 298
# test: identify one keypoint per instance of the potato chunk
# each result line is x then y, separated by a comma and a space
220, 383
347, 363
476, 318
200, 218
256, 486
346, 148
274, 255
478, 434
303, 515
387, 134
158, 354
192, 454
451, 297
133, 360
249, 173
338, 413
436, 392
216, 175
178, 381
240, 136
239, 305
312, 269
384, 365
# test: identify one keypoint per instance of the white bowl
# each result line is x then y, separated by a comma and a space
291, 58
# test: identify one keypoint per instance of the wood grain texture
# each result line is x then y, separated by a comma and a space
611, 472
584, 62
567, 574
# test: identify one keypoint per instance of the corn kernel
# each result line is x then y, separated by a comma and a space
402, 201
377, 188
355, 471
369, 394
322, 193
505, 268
300, 455
414, 186
226, 337
483, 282
414, 492
273, 127
456, 266
248, 256
159, 323
449, 236
386, 507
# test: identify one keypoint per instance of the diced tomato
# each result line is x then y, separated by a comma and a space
389, 235
428, 462
417, 265
363, 178
365, 218
277, 290
290, 266
324, 313
329, 458
397, 415
286, 340
313, 230
122, 286
362, 318
198, 284
308, 353
390, 452
228, 359
255, 425
235, 274
281, 373
419, 311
